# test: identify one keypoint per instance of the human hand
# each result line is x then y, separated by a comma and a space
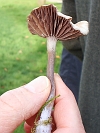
20, 104
23, 103
66, 115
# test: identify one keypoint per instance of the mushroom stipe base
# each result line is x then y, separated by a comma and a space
44, 122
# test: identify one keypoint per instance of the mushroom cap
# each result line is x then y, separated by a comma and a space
46, 21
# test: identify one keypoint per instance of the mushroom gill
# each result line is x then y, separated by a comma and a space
46, 21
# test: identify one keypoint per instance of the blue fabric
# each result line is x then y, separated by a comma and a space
70, 71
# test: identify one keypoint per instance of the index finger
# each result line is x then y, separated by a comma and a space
66, 113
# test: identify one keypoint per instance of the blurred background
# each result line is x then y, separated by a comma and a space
23, 56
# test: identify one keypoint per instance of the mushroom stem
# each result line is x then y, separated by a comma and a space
44, 124
51, 46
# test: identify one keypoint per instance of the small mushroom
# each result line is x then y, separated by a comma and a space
47, 22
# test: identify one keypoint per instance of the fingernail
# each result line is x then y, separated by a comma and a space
38, 85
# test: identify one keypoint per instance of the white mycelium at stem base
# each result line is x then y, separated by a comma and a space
44, 124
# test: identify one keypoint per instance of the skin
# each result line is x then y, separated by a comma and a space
22, 104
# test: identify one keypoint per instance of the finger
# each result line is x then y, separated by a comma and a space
66, 113
22, 103
27, 128
31, 120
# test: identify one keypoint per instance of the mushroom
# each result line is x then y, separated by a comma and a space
47, 22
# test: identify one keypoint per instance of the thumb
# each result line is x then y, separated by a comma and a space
22, 103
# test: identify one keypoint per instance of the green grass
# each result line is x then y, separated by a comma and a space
23, 56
